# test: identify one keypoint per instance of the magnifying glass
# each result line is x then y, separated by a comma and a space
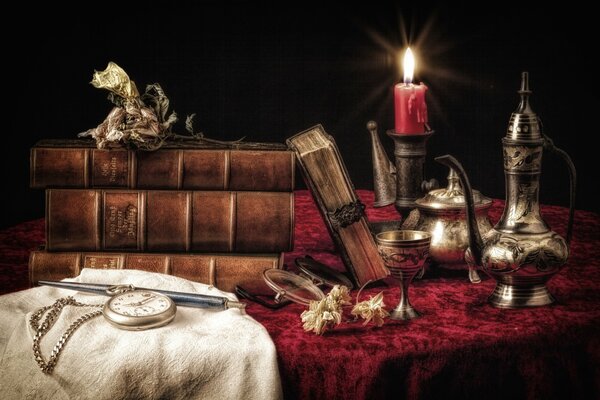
304, 286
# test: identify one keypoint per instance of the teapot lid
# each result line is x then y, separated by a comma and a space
452, 197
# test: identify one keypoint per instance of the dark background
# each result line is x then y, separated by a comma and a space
267, 71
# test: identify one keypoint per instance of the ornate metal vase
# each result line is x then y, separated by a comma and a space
521, 252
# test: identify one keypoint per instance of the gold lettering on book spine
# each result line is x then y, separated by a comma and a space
101, 262
123, 222
108, 169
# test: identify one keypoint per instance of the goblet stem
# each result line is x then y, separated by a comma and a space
404, 310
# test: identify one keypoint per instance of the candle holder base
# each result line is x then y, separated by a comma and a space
410, 151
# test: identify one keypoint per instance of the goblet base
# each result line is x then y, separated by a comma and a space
513, 296
404, 313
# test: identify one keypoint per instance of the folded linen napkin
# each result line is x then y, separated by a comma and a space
202, 353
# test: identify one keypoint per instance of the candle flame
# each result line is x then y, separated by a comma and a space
409, 66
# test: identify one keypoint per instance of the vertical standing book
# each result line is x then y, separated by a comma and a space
328, 180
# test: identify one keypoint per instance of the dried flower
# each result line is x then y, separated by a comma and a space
371, 310
327, 312
320, 316
140, 122
116, 80
339, 295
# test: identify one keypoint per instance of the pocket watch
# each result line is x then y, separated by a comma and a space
137, 309
128, 308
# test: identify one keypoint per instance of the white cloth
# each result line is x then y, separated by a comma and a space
202, 353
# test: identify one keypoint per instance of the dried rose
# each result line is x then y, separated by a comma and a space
116, 80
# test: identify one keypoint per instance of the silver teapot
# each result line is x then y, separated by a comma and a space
521, 252
441, 212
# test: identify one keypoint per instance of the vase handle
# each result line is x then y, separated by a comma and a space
549, 145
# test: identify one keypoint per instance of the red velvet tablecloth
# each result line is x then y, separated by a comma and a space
460, 348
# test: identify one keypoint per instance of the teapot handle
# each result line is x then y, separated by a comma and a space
549, 145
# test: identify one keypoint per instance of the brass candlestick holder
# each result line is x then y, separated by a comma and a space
403, 181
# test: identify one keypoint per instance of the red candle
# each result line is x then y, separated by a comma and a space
409, 101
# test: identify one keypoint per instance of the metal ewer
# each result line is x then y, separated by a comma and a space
521, 252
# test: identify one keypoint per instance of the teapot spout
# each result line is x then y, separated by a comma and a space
475, 241
384, 171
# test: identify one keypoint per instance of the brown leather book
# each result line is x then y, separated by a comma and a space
221, 270
328, 180
78, 164
169, 220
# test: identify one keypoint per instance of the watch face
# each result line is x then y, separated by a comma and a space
139, 309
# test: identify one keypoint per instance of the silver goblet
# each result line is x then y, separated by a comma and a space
404, 253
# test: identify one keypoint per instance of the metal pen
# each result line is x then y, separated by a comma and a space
180, 298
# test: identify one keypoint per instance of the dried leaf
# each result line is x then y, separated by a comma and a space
155, 98
189, 124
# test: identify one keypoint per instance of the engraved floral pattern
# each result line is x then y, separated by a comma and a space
522, 158
404, 258
521, 210
508, 254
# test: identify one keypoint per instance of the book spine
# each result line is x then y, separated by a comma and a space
169, 220
183, 169
223, 271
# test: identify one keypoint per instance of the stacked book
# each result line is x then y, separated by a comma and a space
209, 214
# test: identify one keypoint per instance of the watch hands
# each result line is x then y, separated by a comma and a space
141, 303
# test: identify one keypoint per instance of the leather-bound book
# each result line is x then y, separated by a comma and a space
223, 271
169, 221
183, 166
328, 180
